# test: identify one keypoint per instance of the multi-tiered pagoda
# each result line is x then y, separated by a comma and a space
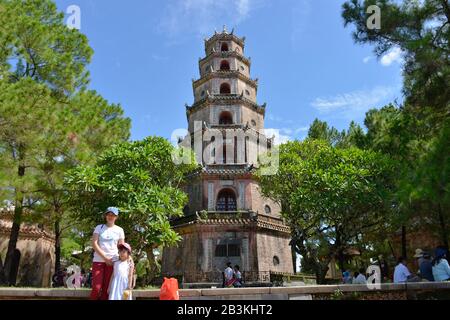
227, 219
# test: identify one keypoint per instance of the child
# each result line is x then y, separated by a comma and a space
122, 278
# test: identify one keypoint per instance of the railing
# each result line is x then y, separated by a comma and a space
217, 277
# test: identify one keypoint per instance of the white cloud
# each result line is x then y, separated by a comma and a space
352, 103
279, 137
243, 8
367, 59
284, 135
201, 17
288, 129
393, 55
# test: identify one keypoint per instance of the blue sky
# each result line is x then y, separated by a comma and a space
146, 53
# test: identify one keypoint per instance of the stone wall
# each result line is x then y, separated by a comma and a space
411, 291
35, 251
270, 255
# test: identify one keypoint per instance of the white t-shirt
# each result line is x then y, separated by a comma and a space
108, 239
228, 273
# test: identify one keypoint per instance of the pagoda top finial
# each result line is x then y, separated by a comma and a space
225, 34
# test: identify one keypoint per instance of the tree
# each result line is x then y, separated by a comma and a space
21, 136
330, 197
431, 182
421, 29
321, 131
87, 124
142, 180
34, 36
48, 121
353, 137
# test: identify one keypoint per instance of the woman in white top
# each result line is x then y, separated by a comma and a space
105, 240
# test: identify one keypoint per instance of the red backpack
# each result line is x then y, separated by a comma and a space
169, 289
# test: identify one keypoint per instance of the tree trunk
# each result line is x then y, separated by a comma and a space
404, 253
15, 229
322, 271
340, 251
12, 244
341, 260
392, 251
57, 246
443, 227
2, 273
294, 259
152, 267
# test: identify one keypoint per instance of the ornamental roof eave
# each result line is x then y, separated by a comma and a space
225, 74
195, 221
225, 36
27, 230
225, 99
225, 54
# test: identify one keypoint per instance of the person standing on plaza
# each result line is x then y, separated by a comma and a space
229, 276
105, 240
122, 279
238, 277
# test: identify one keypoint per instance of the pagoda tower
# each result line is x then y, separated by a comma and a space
227, 219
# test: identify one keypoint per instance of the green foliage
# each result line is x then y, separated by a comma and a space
319, 130
48, 121
415, 135
34, 36
330, 196
141, 179
422, 30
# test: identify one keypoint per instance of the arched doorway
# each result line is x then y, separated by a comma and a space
226, 200
225, 88
224, 65
225, 118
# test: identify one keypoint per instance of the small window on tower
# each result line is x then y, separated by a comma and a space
234, 250
224, 47
225, 118
221, 250
242, 68
203, 93
276, 261
224, 65
225, 88
247, 92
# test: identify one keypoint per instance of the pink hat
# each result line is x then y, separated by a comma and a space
124, 246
